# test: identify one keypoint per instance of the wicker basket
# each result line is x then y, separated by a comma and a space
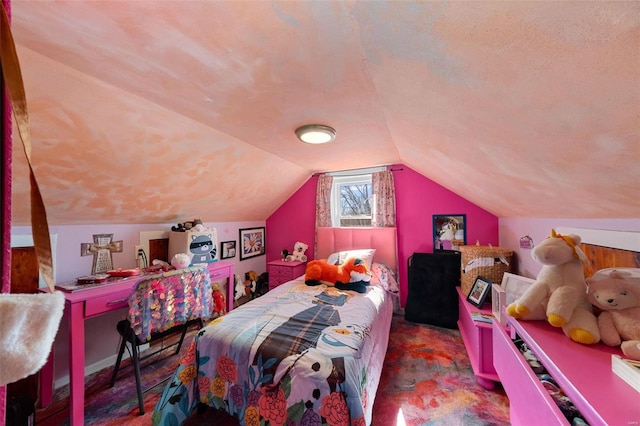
487, 261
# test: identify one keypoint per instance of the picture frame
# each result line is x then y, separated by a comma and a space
228, 249
449, 230
252, 242
514, 286
498, 302
479, 291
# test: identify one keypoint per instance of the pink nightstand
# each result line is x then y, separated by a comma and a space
280, 272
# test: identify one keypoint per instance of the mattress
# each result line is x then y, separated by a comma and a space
309, 354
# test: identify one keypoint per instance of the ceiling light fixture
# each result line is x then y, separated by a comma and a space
315, 133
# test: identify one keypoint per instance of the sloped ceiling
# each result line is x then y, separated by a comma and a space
161, 111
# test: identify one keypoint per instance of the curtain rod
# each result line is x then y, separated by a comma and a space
355, 171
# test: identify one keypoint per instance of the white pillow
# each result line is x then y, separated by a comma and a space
366, 255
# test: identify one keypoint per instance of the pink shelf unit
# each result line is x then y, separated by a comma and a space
478, 341
583, 372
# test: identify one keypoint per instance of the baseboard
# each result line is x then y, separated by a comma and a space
95, 367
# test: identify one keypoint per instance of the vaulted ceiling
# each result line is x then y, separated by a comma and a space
162, 111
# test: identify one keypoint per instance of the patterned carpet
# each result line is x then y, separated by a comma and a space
427, 378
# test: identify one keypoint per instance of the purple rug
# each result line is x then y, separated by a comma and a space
427, 380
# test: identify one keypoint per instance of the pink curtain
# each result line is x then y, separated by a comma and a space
323, 206
384, 210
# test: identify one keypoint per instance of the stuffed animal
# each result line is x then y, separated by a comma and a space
616, 291
559, 293
353, 274
219, 301
180, 260
238, 287
250, 279
298, 252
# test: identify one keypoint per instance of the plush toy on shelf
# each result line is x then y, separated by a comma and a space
616, 291
559, 293
298, 252
219, 301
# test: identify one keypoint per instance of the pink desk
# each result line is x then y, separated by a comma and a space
83, 304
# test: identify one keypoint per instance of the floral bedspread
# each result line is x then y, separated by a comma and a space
298, 355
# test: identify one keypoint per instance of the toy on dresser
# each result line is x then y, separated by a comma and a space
298, 252
617, 292
559, 293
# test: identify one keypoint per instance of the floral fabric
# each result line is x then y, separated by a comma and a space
298, 355
384, 212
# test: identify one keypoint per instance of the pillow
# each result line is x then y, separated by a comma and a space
366, 255
385, 277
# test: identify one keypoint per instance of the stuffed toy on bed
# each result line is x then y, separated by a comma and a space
353, 274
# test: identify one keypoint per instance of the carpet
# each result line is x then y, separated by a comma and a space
427, 378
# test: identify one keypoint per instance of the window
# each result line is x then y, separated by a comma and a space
351, 200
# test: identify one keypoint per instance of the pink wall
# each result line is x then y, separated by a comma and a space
417, 200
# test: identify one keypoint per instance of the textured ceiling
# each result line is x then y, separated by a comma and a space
160, 111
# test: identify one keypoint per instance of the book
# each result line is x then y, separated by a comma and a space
627, 369
481, 317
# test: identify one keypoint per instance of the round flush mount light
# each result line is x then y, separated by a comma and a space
316, 133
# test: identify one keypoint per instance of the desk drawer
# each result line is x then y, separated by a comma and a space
106, 303
218, 274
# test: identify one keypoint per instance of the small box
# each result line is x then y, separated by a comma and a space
200, 245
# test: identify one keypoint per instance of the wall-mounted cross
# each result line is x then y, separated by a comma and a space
102, 248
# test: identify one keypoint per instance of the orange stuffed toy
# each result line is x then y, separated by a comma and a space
353, 274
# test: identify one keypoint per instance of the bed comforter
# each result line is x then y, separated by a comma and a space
310, 355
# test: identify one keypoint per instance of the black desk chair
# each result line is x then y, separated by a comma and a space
160, 306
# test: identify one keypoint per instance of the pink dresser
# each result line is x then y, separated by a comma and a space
280, 271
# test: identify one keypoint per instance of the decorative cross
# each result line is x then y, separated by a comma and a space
101, 249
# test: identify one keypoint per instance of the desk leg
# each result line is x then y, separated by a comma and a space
46, 380
76, 363
230, 290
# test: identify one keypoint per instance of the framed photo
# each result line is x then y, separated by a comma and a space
498, 301
449, 230
228, 249
252, 242
479, 292
514, 286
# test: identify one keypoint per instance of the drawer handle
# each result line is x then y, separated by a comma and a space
219, 274
116, 302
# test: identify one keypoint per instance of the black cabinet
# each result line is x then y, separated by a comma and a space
432, 297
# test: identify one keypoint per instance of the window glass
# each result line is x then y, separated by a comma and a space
351, 201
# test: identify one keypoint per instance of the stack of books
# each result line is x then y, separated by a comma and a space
627, 369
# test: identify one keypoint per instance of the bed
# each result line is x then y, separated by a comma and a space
302, 354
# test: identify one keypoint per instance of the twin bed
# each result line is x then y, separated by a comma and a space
307, 354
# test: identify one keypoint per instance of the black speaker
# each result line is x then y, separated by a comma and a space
432, 297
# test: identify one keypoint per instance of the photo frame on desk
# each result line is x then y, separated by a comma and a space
479, 291
514, 286
252, 242
498, 303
